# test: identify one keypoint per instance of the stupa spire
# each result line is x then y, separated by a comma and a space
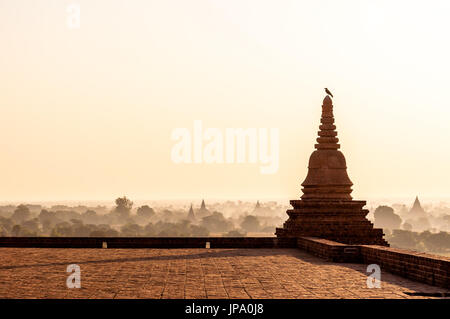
327, 177
417, 203
417, 209
327, 135
191, 215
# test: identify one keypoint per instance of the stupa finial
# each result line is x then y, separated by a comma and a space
327, 135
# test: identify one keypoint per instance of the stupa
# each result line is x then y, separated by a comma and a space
203, 211
417, 211
326, 208
191, 215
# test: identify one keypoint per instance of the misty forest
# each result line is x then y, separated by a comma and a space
416, 228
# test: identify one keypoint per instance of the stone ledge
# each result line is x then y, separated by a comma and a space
430, 269
148, 242
330, 250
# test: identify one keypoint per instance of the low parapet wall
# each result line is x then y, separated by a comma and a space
330, 250
430, 269
148, 242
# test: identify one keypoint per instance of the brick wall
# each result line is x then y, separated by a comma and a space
431, 269
330, 250
149, 242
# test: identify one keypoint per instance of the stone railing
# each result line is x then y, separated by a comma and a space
430, 269
330, 250
148, 242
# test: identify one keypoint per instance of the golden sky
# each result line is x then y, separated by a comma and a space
88, 113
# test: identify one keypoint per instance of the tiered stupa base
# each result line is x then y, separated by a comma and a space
343, 221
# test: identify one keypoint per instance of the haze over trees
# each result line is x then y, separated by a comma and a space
424, 241
123, 219
251, 224
21, 214
424, 230
386, 218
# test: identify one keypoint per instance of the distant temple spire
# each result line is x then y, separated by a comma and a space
203, 211
203, 206
416, 204
191, 215
257, 205
417, 210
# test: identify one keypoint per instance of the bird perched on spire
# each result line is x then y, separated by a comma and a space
328, 92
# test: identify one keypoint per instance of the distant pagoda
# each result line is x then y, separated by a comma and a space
203, 211
260, 210
416, 210
326, 209
191, 215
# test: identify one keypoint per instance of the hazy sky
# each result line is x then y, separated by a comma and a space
88, 113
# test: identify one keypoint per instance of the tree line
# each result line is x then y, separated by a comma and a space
123, 221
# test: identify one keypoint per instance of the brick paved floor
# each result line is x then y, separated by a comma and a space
190, 273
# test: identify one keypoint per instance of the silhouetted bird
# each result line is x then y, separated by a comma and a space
328, 92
